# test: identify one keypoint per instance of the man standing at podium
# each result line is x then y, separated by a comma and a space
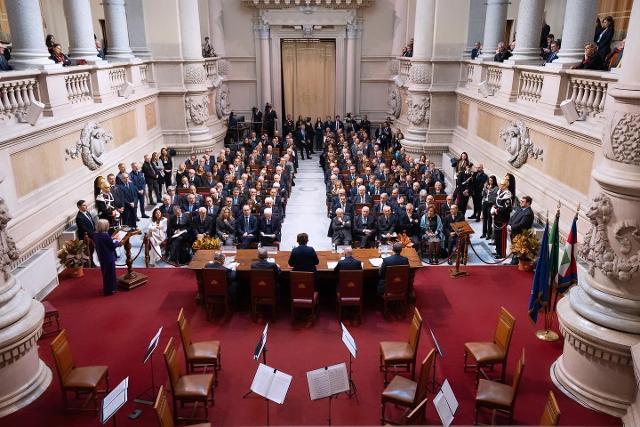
450, 236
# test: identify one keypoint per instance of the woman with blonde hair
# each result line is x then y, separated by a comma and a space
105, 248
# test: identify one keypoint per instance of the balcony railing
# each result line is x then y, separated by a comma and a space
588, 93
530, 86
78, 87
16, 94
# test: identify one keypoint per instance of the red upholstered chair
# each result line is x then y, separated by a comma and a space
303, 293
51, 315
402, 353
263, 291
396, 287
416, 417
214, 283
350, 291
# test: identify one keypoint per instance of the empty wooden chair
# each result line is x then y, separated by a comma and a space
350, 291
263, 291
402, 353
396, 287
190, 388
487, 354
402, 391
499, 397
51, 315
415, 417
165, 417
215, 288
201, 353
551, 414
79, 380
303, 293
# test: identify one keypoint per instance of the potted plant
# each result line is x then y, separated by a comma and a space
73, 256
207, 243
525, 246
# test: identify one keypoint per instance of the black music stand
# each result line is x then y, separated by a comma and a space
261, 347
435, 359
148, 396
350, 343
113, 401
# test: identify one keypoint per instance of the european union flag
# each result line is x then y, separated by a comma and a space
540, 289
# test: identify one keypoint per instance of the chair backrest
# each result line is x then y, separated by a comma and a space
396, 280
302, 284
415, 330
516, 378
504, 330
551, 414
165, 419
423, 378
350, 283
214, 281
417, 416
62, 355
171, 360
185, 330
263, 283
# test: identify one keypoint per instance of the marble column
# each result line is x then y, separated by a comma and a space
529, 26
399, 27
577, 30
494, 25
137, 29
262, 30
350, 92
600, 318
419, 97
23, 375
216, 30
118, 48
82, 45
29, 49
475, 32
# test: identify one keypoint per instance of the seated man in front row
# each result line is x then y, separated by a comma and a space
348, 262
269, 228
395, 259
246, 227
264, 264
340, 229
179, 233
218, 263
365, 228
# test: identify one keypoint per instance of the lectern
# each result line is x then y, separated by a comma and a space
463, 230
130, 279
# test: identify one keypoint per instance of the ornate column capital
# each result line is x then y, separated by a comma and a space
262, 30
354, 30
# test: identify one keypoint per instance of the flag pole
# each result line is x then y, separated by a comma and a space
547, 334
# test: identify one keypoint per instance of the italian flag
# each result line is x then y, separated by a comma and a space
567, 272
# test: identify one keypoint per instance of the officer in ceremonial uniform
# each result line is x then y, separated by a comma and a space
501, 212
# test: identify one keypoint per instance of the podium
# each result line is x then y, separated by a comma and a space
463, 230
130, 279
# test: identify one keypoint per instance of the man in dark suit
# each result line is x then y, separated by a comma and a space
151, 177
302, 141
365, 228
450, 237
386, 225
264, 264
211, 207
520, 221
409, 224
477, 185
190, 206
84, 222
395, 259
362, 197
202, 223
341, 229
246, 228
129, 198
179, 235
218, 263
348, 262
166, 207
269, 228
303, 257
137, 179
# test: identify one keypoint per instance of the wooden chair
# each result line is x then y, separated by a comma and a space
396, 287
80, 380
402, 391
201, 353
215, 289
402, 353
190, 388
263, 291
498, 397
350, 291
303, 293
416, 417
551, 414
487, 354
51, 315
165, 417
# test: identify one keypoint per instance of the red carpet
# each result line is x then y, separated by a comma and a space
115, 331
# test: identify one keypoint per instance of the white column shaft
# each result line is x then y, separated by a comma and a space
399, 27
423, 32
350, 93
80, 28
494, 25
477, 16
118, 48
530, 17
29, 49
265, 66
578, 27
631, 63
190, 29
216, 30
137, 28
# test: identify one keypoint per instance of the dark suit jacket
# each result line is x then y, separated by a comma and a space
348, 263
408, 225
448, 220
202, 227
303, 258
358, 199
231, 275
241, 225
174, 226
386, 226
521, 220
359, 225
129, 193
392, 260
85, 225
263, 264
193, 210
273, 228
105, 247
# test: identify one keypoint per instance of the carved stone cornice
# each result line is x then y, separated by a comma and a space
586, 346
14, 352
330, 4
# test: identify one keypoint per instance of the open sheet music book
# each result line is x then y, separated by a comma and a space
327, 381
348, 341
446, 404
271, 383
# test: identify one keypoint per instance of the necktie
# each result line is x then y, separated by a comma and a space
247, 222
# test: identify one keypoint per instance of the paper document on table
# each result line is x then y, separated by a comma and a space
120, 235
271, 383
327, 381
376, 262
331, 264
271, 260
348, 341
178, 233
442, 407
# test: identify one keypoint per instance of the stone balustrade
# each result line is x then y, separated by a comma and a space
494, 78
17, 91
117, 78
78, 87
211, 67
404, 65
588, 89
530, 86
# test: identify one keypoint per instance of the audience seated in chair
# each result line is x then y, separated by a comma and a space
340, 228
269, 229
365, 228
179, 233
246, 228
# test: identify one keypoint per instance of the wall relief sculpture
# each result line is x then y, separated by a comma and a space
197, 109
394, 101
8, 251
223, 106
417, 112
195, 74
420, 74
597, 250
518, 144
625, 140
91, 146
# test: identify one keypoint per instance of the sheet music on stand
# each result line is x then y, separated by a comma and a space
446, 404
114, 401
261, 343
152, 346
348, 341
271, 383
328, 381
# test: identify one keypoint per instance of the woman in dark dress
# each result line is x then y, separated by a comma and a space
167, 164
105, 247
431, 226
319, 133
303, 257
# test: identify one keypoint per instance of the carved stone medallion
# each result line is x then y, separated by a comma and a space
91, 145
417, 112
197, 109
394, 101
223, 106
419, 73
625, 140
516, 140
194, 74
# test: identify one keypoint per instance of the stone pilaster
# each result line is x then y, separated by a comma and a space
216, 29
530, 17
353, 33
600, 319
29, 49
494, 25
137, 29
82, 45
399, 27
262, 31
475, 32
118, 48
23, 376
577, 30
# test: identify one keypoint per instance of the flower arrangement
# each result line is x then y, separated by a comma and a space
73, 254
405, 240
207, 243
526, 245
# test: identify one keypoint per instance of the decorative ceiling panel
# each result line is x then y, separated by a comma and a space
283, 4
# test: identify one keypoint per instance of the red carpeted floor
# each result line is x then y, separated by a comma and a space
115, 331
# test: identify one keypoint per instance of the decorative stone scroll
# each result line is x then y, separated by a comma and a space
418, 108
394, 101
597, 250
197, 109
518, 144
8, 250
625, 140
223, 106
91, 146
